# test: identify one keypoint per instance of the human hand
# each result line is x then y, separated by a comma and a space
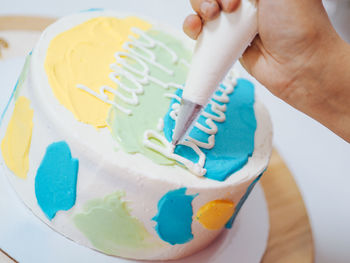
297, 55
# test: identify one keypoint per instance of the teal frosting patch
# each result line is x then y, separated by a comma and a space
234, 142
230, 222
108, 225
56, 179
174, 217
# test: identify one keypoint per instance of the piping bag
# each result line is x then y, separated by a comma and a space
220, 44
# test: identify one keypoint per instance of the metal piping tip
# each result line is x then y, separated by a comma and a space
174, 143
188, 114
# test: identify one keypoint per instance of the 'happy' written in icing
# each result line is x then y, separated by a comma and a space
139, 77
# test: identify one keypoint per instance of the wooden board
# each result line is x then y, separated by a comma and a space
290, 238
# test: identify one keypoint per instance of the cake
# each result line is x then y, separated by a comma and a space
85, 140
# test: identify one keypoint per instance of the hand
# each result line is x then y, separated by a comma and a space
297, 55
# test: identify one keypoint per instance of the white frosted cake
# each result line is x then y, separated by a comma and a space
85, 140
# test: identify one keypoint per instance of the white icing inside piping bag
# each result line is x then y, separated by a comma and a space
221, 43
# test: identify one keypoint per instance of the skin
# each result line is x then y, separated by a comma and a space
297, 55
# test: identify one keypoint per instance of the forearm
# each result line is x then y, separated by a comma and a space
335, 113
322, 89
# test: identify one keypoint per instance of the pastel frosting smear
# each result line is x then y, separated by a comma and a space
174, 217
215, 214
82, 55
110, 227
22, 76
15, 145
56, 179
157, 65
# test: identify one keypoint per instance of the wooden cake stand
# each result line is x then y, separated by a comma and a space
290, 238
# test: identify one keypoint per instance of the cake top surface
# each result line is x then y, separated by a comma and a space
119, 80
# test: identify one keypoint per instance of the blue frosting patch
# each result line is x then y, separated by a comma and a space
234, 141
174, 217
56, 179
242, 201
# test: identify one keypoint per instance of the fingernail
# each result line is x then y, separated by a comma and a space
209, 9
228, 5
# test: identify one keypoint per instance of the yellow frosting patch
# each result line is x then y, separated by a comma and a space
82, 55
16, 143
215, 214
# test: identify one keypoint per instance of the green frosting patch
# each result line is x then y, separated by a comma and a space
23, 76
153, 105
108, 225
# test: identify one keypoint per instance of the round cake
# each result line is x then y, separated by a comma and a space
85, 139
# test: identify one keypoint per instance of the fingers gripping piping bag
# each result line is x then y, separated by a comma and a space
221, 43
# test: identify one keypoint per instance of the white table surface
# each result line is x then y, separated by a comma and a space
319, 160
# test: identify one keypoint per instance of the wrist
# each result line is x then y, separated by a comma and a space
335, 113
322, 89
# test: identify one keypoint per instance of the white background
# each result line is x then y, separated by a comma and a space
319, 160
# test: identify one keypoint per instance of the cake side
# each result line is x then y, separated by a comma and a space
133, 186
